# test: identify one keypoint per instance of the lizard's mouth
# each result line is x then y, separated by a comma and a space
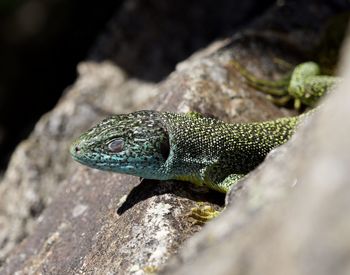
77, 152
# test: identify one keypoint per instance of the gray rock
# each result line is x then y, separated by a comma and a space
98, 222
88, 215
41, 162
289, 216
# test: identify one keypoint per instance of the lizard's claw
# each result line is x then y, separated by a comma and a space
203, 213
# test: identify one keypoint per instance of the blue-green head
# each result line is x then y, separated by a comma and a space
135, 144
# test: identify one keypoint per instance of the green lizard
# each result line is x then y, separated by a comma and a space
305, 84
190, 147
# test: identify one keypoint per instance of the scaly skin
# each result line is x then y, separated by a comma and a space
193, 148
305, 85
189, 147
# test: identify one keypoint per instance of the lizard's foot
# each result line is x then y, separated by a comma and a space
203, 213
304, 84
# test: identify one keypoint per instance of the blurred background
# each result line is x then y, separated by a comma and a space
41, 42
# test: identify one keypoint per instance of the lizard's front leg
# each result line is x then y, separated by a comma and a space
202, 212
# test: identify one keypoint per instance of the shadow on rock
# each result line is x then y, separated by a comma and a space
149, 188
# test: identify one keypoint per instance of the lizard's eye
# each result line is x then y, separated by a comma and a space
116, 145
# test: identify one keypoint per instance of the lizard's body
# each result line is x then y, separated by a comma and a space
162, 146
207, 151
190, 147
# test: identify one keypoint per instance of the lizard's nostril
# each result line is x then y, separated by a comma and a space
77, 149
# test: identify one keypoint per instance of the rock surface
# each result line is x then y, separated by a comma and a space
289, 216
42, 163
99, 222
136, 48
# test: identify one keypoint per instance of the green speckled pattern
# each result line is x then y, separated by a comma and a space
162, 146
210, 150
304, 84
145, 145
308, 85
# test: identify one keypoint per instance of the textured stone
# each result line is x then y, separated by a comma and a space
41, 163
97, 222
289, 216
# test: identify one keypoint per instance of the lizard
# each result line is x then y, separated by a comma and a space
187, 147
190, 147
207, 151
308, 81
305, 84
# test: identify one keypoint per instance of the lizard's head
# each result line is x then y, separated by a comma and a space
135, 144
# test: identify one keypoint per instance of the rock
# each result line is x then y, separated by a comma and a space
42, 163
98, 222
289, 216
